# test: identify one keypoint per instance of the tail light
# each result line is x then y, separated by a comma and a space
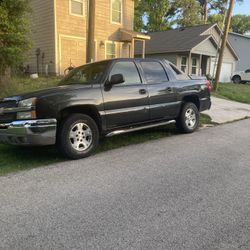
209, 86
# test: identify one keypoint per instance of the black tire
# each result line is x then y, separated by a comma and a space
188, 121
77, 136
236, 79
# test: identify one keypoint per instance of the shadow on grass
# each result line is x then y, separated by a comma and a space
14, 158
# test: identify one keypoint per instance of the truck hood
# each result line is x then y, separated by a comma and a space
48, 91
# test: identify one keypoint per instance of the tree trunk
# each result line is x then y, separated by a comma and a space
4, 80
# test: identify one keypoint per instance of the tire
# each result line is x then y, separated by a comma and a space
77, 136
188, 121
236, 79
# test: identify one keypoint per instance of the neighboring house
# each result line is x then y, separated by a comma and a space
193, 49
59, 33
241, 44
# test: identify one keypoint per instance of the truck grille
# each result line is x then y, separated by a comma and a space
5, 118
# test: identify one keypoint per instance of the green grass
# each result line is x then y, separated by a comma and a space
14, 158
235, 92
25, 84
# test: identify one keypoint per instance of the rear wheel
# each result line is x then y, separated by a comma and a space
188, 121
78, 136
237, 79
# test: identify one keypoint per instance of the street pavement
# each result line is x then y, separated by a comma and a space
223, 111
181, 192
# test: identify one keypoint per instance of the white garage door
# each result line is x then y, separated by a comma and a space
226, 71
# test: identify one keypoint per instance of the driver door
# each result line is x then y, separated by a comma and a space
127, 103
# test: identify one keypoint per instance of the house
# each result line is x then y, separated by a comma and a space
59, 32
192, 49
241, 44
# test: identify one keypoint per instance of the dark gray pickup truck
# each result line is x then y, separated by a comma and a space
105, 98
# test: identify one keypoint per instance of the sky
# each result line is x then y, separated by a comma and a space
243, 8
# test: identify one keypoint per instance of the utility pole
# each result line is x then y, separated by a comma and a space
90, 48
205, 11
224, 43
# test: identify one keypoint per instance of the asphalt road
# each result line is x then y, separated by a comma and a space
183, 192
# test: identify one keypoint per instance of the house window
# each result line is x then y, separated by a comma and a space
184, 64
194, 66
111, 50
76, 7
116, 11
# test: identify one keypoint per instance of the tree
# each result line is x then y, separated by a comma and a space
14, 28
155, 13
240, 24
217, 18
188, 12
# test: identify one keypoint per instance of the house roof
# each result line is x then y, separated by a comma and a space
128, 35
182, 39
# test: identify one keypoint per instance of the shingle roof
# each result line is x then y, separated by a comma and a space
183, 39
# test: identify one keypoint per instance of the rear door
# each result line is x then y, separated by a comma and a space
126, 103
162, 94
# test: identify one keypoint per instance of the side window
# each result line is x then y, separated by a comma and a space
248, 71
154, 72
128, 70
116, 11
76, 7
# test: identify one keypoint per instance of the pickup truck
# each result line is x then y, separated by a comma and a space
104, 98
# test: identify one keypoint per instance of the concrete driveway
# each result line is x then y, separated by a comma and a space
223, 111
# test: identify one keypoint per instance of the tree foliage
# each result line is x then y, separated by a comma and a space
161, 15
14, 28
240, 24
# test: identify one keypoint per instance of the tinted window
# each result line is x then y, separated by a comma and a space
154, 72
128, 70
89, 73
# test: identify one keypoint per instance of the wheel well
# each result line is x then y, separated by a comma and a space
236, 76
194, 99
89, 110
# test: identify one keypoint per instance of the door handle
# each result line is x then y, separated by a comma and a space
143, 91
169, 89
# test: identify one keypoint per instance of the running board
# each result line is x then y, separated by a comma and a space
133, 129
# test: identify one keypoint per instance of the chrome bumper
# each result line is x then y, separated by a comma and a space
30, 132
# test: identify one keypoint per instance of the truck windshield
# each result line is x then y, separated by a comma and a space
87, 74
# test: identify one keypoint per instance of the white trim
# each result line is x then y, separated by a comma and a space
110, 42
184, 65
83, 8
56, 40
60, 46
111, 13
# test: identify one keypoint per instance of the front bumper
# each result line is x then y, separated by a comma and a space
30, 132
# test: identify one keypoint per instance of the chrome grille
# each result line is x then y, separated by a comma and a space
5, 118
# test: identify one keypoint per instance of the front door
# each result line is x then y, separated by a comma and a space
162, 94
126, 103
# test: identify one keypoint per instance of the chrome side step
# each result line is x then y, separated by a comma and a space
133, 129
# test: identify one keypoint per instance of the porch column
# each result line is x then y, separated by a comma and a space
143, 48
189, 63
132, 48
200, 65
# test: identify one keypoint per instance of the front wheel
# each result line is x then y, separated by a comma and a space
78, 136
237, 79
188, 121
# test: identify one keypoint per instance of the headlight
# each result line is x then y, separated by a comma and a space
27, 103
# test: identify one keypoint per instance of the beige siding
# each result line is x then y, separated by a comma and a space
205, 48
42, 35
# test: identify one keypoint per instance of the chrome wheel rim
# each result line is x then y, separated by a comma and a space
80, 136
190, 118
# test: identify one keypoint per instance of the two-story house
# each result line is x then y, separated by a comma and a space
59, 32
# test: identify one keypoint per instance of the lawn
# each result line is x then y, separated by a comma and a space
235, 92
14, 158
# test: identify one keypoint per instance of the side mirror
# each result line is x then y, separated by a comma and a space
116, 79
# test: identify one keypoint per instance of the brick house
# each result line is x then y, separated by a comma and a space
59, 31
